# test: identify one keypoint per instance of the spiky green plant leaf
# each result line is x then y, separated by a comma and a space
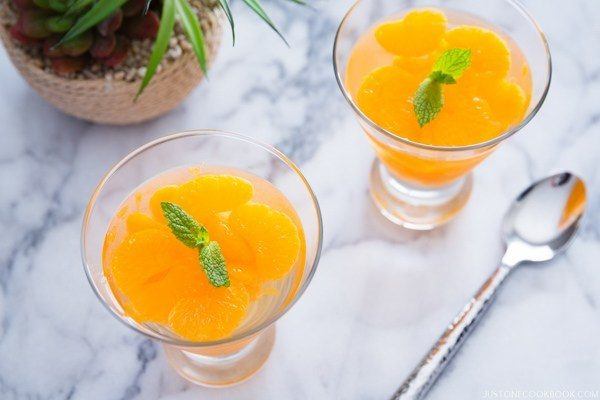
165, 30
76, 6
257, 8
192, 29
225, 6
99, 11
147, 6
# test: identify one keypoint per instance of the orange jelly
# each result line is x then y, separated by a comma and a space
389, 62
157, 279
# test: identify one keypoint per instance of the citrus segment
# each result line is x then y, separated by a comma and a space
247, 277
138, 221
234, 247
419, 66
216, 193
417, 34
507, 101
490, 57
212, 316
465, 119
164, 194
150, 268
386, 98
271, 234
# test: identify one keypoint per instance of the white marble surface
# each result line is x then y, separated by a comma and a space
381, 295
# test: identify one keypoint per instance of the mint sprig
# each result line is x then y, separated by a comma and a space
429, 98
184, 227
214, 265
193, 235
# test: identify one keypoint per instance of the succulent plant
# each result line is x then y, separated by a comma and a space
73, 32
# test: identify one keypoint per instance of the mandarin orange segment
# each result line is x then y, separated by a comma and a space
234, 247
490, 57
465, 119
164, 194
213, 315
507, 101
150, 268
138, 221
216, 193
418, 33
271, 234
419, 66
386, 98
155, 299
248, 277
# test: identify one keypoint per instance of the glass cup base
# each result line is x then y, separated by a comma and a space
415, 207
224, 369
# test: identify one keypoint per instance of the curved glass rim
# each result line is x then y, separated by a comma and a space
175, 136
338, 76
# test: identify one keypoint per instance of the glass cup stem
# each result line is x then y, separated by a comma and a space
224, 366
415, 207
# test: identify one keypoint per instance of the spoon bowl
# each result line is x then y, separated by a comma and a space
543, 219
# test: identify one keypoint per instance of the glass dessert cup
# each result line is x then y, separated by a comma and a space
421, 186
231, 360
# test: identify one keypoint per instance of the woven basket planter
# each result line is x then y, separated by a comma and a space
111, 101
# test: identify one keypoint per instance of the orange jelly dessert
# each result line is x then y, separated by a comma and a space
392, 59
203, 281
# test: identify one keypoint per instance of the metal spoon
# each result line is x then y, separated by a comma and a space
538, 226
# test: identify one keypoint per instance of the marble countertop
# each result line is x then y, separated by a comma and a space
381, 295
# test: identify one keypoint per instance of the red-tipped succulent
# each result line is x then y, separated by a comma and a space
142, 26
43, 23
68, 65
119, 53
111, 24
103, 45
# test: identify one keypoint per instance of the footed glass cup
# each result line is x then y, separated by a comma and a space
228, 361
421, 186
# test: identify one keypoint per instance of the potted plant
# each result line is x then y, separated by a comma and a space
115, 61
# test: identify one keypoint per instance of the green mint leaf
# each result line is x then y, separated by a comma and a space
184, 227
441, 77
428, 101
214, 265
453, 62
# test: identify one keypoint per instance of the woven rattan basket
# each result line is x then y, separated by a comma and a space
111, 102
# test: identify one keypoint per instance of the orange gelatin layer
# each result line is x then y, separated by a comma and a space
390, 61
156, 278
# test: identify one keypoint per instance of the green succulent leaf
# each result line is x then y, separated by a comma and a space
165, 30
192, 29
99, 11
44, 4
214, 264
225, 6
76, 6
257, 8
58, 6
59, 23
